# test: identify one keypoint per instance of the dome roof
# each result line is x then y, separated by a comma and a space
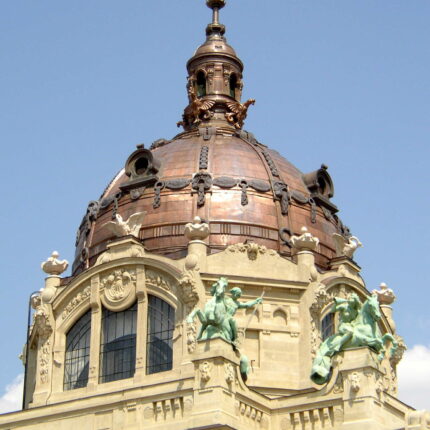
214, 170
244, 190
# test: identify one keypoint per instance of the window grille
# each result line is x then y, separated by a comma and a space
78, 353
327, 326
161, 322
118, 346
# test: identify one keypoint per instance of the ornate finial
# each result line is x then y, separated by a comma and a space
53, 266
215, 27
197, 230
305, 242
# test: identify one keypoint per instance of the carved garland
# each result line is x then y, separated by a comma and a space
76, 301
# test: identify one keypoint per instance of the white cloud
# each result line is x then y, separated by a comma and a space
414, 377
12, 398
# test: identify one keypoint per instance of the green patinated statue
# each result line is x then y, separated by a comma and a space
217, 318
358, 326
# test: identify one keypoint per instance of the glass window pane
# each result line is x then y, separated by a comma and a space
78, 353
118, 347
161, 322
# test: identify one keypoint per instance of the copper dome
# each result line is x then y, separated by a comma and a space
245, 191
215, 170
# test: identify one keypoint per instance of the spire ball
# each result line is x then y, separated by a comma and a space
216, 3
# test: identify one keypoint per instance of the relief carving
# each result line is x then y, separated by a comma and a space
229, 373
155, 279
252, 249
118, 285
205, 369
76, 301
202, 182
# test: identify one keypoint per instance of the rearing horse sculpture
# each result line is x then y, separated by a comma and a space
358, 327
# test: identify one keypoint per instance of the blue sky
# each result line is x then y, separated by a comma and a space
345, 83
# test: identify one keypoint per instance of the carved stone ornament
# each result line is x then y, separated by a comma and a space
158, 143
385, 295
229, 373
202, 182
76, 301
205, 369
252, 249
196, 230
158, 280
305, 242
119, 289
132, 226
401, 348
126, 248
42, 322
238, 112
354, 380
225, 182
53, 266
345, 247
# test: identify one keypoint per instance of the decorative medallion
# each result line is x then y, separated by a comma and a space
119, 289
202, 182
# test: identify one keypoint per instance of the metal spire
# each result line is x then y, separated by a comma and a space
215, 28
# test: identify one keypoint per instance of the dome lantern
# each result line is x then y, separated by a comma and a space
215, 80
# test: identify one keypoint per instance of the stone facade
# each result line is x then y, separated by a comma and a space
204, 388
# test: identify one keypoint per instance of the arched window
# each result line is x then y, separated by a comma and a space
161, 323
78, 353
327, 326
233, 85
118, 345
201, 84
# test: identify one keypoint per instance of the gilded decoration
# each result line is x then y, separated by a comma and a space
197, 111
119, 289
76, 301
238, 112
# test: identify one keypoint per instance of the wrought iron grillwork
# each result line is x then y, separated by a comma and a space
327, 326
118, 347
78, 353
161, 322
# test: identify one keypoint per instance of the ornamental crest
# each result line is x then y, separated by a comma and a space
119, 288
